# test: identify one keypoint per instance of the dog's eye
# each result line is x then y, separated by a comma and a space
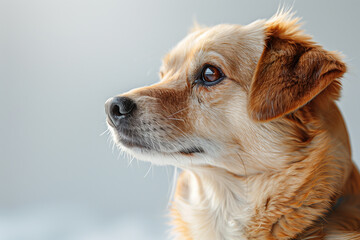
211, 75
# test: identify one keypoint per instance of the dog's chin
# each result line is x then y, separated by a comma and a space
186, 157
180, 158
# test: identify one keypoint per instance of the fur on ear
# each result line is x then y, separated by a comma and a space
292, 70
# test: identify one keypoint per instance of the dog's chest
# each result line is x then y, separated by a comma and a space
213, 211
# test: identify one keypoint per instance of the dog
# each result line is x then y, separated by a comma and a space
249, 115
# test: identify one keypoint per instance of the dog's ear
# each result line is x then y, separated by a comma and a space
292, 70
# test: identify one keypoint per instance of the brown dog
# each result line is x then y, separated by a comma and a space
249, 114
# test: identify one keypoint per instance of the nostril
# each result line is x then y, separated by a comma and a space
118, 108
127, 106
115, 111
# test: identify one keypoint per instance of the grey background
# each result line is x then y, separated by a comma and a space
60, 61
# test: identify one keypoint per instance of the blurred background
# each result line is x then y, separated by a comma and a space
60, 179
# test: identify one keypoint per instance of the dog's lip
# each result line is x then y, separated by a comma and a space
192, 150
132, 143
108, 120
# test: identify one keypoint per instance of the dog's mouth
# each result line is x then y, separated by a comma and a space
192, 150
134, 144
132, 139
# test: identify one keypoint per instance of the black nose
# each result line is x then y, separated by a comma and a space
118, 108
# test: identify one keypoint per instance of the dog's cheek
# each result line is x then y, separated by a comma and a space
216, 107
214, 96
177, 112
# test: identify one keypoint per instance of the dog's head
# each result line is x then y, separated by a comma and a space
224, 95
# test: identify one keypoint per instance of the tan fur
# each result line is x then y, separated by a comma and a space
276, 154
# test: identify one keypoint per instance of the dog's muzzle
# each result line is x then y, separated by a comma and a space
131, 130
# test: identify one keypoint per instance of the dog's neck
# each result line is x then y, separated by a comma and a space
216, 206
215, 203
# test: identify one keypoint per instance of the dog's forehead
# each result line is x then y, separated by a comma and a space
181, 52
224, 39
201, 39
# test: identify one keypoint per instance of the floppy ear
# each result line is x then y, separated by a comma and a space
290, 73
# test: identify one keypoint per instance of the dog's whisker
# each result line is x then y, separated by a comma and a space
177, 119
148, 170
131, 160
106, 131
177, 112
113, 147
185, 135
